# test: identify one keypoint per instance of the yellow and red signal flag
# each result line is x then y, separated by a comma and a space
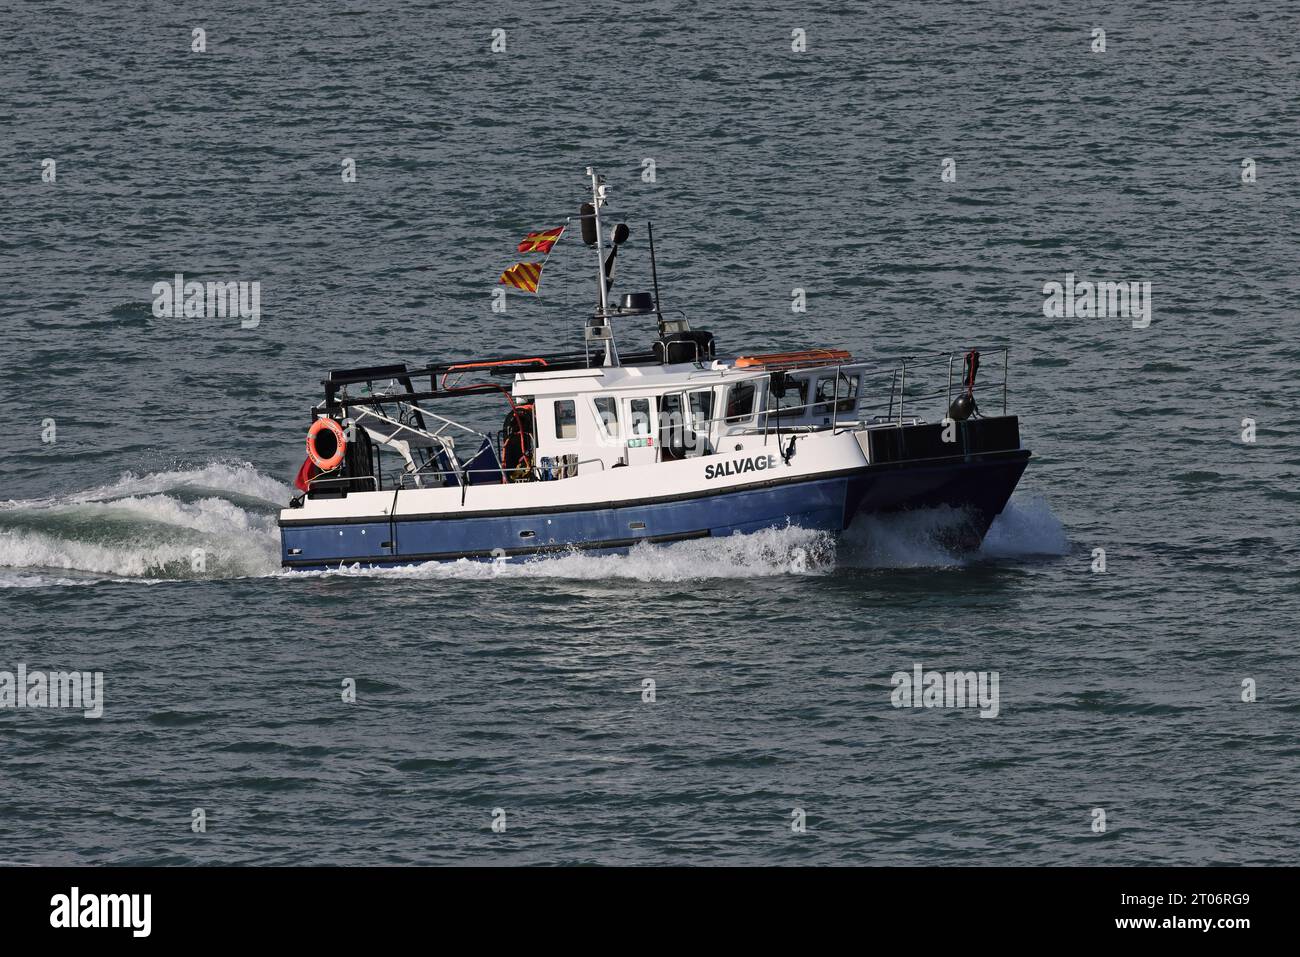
523, 276
541, 242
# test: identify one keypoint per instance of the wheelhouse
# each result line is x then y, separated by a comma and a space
561, 422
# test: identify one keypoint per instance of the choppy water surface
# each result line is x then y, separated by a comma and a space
520, 687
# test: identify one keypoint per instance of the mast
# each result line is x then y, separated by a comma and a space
597, 200
598, 194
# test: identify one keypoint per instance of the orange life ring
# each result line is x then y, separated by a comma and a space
340, 444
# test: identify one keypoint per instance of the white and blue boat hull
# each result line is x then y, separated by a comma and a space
415, 526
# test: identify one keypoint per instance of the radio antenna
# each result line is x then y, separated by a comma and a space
654, 275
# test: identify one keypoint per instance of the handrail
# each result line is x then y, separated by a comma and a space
860, 403
403, 475
1006, 375
902, 391
312, 483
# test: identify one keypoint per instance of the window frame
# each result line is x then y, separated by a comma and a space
845, 403
739, 418
652, 413
616, 434
572, 416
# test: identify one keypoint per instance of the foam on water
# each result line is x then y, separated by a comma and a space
1025, 528
904, 540
923, 539
240, 478
777, 551
10, 579
146, 527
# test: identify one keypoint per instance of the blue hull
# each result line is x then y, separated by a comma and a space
980, 486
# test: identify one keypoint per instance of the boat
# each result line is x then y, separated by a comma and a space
602, 450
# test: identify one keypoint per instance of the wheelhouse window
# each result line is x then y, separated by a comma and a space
847, 395
740, 402
672, 437
702, 410
566, 419
794, 403
642, 423
701, 422
607, 413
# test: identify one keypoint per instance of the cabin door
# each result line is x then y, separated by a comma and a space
641, 416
